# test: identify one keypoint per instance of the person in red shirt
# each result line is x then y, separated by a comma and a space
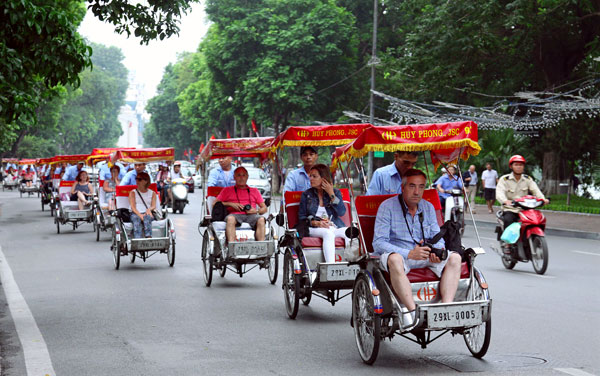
244, 204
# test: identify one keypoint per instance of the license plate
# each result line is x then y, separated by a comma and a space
250, 249
147, 244
453, 316
341, 272
78, 214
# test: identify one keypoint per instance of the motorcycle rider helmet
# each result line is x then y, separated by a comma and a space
516, 158
177, 164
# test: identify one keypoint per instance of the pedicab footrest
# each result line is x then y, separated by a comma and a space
337, 271
149, 244
454, 315
250, 249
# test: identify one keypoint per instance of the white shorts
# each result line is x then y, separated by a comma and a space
409, 264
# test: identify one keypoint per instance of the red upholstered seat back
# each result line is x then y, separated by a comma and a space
213, 191
292, 206
123, 190
431, 195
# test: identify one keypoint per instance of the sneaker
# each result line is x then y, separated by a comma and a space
408, 318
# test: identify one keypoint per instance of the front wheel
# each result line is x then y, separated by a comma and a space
367, 325
171, 253
291, 282
207, 258
57, 226
97, 226
539, 253
273, 267
116, 251
478, 338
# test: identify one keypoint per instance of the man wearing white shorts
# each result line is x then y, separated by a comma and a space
403, 223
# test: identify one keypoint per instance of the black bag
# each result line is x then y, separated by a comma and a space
450, 231
124, 214
302, 227
219, 211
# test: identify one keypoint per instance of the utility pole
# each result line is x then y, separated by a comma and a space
373, 62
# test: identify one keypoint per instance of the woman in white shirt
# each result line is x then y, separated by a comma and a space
142, 201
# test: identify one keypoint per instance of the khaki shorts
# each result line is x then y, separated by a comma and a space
250, 219
409, 264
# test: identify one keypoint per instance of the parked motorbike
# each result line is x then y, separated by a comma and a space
454, 211
179, 189
531, 244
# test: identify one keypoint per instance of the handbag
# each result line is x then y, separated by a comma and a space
219, 212
124, 214
155, 215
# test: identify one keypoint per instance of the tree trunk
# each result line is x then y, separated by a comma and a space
554, 172
17, 143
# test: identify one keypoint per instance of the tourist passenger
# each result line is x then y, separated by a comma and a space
298, 179
222, 176
110, 186
387, 180
142, 201
81, 190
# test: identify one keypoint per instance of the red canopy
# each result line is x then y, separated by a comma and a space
76, 158
143, 155
319, 135
446, 141
27, 161
43, 161
258, 147
100, 154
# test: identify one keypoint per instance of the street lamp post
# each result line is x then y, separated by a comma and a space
373, 62
230, 100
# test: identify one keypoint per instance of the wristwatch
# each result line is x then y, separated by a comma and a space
332, 197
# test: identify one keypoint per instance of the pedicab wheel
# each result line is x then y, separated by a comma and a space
42, 205
207, 258
57, 226
367, 325
291, 282
132, 257
116, 252
51, 210
273, 267
307, 297
478, 338
97, 228
539, 253
222, 271
171, 253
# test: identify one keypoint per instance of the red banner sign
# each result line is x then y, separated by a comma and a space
319, 135
258, 147
76, 158
143, 155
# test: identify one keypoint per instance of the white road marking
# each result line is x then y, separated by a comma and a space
540, 276
482, 237
573, 371
587, 253
35, 351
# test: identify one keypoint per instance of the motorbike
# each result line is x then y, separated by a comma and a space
531, 244
179, 189
454, 211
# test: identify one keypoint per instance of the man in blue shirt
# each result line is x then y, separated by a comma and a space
402, 224
298, 180
446, 183
387, 180
105, 171
222, 176
129, 178
71, 172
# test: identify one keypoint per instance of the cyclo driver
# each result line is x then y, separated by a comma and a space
515, 185
402, 225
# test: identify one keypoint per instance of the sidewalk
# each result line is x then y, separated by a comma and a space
557, 223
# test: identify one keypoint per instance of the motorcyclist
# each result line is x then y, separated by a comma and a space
163, 182
515, 185
446, 183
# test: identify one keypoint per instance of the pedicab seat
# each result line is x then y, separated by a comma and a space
366, 208
122, 195
292, 207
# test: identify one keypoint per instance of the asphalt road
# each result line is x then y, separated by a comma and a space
150, 319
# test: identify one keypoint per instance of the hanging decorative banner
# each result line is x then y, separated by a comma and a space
43, 161
319, 135
100, 154
143, 155
446, 141
27, 161
258, 147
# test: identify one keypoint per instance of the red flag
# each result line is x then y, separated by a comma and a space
213, 137
254, 126
228, 135
185, 152
200, 148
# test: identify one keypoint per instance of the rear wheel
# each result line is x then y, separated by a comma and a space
539, 253
57, 226
273, 267
291, 283
207, 258
367, 325
171, 253
307, 297
116, 251
97, 231
478, 338
507, 260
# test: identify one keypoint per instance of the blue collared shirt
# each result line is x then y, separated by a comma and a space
392, 234
220, 178
447, 183
385, 181
105, 171
71, 173
297, 180
129, 178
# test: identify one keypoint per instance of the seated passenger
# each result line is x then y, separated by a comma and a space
142, 201
241, 202
402, 224
28, 176
110, 186
130, 177
222, 176
323, 207
73, 171
82, 189
387, 180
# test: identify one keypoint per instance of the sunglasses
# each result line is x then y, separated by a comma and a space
138, 179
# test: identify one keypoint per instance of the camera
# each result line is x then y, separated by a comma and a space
247, 207
441, 253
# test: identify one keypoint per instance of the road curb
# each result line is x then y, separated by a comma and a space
550, 231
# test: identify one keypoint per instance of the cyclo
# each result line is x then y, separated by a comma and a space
305, 272
103, 220
23, 188
245, 253
67, 211
163, 230
46, 194
376, 312
8, 182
